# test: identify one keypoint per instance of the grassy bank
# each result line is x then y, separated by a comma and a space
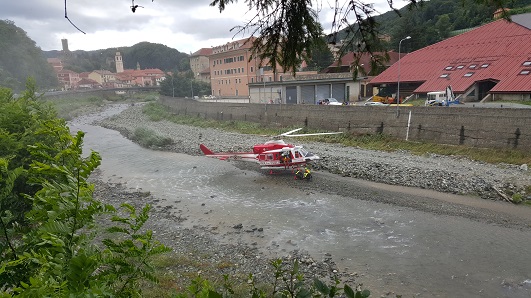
69, 107
157, 112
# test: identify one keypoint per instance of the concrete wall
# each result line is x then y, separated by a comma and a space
477, 127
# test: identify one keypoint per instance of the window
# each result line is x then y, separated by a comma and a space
472, 66
251, 69
485, 65
526, 63
460, 66
252, 80
448, 68
525, 72
468, 74
444, 75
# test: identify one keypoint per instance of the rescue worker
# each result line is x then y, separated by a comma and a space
307, 174
286, 159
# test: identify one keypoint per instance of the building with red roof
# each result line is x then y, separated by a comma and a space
200, 65
68, 79
491, 62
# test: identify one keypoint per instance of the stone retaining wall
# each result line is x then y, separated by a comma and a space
477, 127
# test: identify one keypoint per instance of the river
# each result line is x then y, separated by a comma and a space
392, 249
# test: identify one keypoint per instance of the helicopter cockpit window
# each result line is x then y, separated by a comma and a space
303, 152
270, 156
297, 154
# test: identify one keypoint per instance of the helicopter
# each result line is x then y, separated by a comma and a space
273, 154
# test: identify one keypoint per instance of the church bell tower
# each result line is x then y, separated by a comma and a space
119, 63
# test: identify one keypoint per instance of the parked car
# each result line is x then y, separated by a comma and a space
332, 101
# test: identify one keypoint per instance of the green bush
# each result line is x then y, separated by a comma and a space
149, 139
49, 245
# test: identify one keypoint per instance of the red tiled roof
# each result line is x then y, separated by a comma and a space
498, 50
85, 81
203, 52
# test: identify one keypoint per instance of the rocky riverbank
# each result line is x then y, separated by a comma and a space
206, 253
198, 251
449, 174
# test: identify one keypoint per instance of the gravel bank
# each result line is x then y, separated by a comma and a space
333, 172
454, 175
199, 252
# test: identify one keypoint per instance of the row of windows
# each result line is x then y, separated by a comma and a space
229, 60
227, 82
469, 74
485, 65
261, 79
238, 81
229, 71
471, 66
474, 66
233, 71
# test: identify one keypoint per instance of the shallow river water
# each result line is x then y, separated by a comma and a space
392, 249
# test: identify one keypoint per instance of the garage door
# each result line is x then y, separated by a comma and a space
338, 92
291, 95
308, 94
322, 92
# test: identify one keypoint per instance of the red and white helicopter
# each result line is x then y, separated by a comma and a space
274, 154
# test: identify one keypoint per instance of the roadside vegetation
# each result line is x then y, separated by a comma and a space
157, 112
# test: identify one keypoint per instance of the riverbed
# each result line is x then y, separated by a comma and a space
399, 240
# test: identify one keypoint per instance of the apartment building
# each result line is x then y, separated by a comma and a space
200, 64
231, 70
68, 79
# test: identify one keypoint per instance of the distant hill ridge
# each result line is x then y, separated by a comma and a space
146, 54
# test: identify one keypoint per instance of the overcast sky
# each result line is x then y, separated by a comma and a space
185, 25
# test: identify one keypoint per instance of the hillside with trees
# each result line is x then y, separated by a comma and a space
429, 22
21, 58
146, 54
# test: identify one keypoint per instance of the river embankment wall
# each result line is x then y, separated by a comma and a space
477, 127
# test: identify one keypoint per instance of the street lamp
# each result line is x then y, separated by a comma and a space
398, 87
172, 88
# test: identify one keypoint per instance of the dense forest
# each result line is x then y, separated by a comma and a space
429, 22
146, 54
21, 58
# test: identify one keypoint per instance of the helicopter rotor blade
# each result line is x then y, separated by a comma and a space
314, 134
290, 132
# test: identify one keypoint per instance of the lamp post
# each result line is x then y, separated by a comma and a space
398, 86
172, 88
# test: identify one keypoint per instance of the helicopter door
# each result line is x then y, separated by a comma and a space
297, 155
